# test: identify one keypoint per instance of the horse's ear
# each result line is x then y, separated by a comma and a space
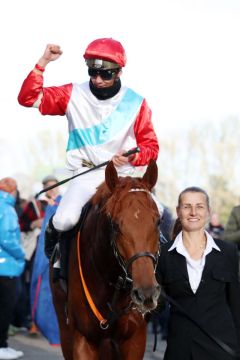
151, 174
111, 176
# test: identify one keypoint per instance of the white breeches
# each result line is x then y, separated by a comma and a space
80, 190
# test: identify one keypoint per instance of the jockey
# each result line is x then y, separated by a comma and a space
105, 119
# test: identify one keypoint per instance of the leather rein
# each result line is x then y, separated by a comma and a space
123, 283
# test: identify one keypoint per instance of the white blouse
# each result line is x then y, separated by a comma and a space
194, 267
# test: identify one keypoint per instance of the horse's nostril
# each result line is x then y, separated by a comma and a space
148, 301
146, 296
137, 295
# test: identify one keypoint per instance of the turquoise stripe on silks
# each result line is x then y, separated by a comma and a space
110, 127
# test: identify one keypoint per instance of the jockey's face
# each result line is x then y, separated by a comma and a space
103, 78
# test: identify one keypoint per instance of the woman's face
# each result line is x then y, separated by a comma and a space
193, 211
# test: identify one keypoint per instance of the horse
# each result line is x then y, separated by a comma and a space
111, 275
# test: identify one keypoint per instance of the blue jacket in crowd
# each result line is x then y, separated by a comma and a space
11, 253
40, 291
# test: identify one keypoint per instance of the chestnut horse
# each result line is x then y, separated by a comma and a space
111, 281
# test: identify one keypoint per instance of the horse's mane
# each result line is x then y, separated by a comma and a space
102, 194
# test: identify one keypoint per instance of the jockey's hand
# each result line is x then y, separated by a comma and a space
120, 160
51, 53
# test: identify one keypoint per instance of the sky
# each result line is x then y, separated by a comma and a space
183, 56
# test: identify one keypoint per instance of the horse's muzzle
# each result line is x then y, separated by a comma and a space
146, 299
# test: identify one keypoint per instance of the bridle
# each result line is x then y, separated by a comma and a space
123, 283
125, 265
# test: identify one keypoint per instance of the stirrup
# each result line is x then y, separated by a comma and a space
55, 254
51, 239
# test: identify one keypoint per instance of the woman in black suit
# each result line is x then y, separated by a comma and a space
200, 277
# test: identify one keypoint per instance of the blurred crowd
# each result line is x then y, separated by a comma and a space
21, 221
23, 262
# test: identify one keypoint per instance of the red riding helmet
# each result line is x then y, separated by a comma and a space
106, 49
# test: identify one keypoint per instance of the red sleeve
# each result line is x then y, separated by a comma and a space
30, 90
54, 100
146, 137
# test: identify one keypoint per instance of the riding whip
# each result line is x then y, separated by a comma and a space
128, 153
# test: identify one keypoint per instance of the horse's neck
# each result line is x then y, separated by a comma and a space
96, 245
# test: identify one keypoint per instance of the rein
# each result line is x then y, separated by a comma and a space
98, 315
104, 323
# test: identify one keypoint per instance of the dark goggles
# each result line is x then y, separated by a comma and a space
104, 74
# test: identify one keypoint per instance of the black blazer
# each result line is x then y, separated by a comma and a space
215, 305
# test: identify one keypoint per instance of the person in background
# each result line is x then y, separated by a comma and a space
12, 261
20, 204
19, 322
160, 319
105, 119
200, 278
40, 291
31, 222
166, 223
33, 213
215, 228
232, 228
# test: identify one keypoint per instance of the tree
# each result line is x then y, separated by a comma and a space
205, 156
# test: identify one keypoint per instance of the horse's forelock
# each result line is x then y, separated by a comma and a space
109, 201
116, 200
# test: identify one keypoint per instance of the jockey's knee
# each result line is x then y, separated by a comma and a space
64, 223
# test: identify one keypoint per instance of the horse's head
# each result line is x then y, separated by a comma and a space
135, 217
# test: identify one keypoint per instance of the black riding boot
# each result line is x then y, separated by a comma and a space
52, 237
64, 246
63, 239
